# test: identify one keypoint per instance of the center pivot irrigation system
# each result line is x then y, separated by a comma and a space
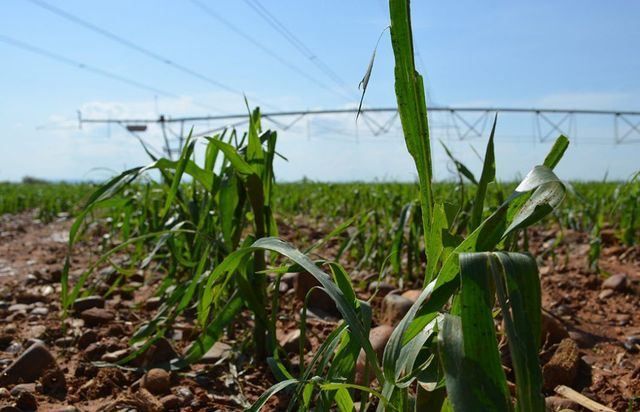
462, 123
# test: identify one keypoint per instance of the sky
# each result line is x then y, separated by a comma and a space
544, 54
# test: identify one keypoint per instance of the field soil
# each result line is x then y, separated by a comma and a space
592, 328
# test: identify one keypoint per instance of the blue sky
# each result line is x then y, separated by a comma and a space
569, 54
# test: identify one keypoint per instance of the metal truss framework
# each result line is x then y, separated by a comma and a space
466, 122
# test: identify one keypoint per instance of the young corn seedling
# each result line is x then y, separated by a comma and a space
187, 229
444, 353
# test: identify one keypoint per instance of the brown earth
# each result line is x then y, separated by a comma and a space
604, 323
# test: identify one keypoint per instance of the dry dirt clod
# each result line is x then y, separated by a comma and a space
157, 381
617, 282
394, 307
96, 316
563, 366
29, 366
89, 302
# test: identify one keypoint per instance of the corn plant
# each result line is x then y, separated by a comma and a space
443, 354
187, 229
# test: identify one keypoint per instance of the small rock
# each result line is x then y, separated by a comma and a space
606, 294
283, 287
87, 339
115, 356
116, 330
94, 351
291, 341
563, 366
218, 351
558, 403
583, 339
305, 282
27, 402
152, 303
185, 394
147, 402
157, 381
378, 336
412, 295
23, 387
89, 302
18, 307
161, 352
608, 236
29, 366
553, 331
617, 282
42, 311
382, 288
394, 307
96, 316
28, 298
4, 393
64, 342
53, 382
622, 318
170, 402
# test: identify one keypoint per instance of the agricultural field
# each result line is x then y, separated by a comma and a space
202, 283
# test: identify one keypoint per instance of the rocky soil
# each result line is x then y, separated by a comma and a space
591, 332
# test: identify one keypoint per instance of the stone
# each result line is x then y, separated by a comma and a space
152, 303
562, 369
378, 336
22, 387
42, 311
4, 393
617, 282
96, 316
116, 330
394, 307
606, 294
53, 382
219, 350
157, 381
381, 288
94, 351
27, 402
558, 403
412, 295
553, 331
65, 342
184, 394
290, 342
115, 356
18, 307
303, 284
583, 339
87, 339
30, 366
170, 402
161, 352
89, 302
